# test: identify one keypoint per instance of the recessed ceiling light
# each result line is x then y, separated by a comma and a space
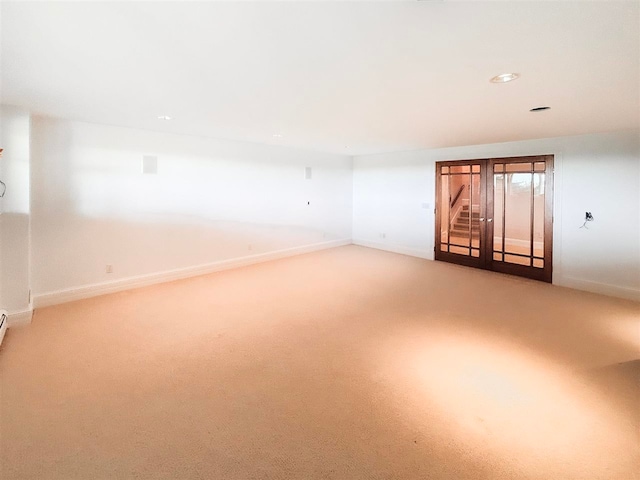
539, 109
277, 135
164, 117
505, 77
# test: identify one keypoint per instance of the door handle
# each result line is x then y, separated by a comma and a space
481, 219
490, 220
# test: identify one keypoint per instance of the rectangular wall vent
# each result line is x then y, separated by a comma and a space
149, 164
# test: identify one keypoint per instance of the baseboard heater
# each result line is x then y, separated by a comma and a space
4, 319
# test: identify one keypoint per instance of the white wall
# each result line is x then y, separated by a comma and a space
14, 211
220, 203
212, 201
394, 195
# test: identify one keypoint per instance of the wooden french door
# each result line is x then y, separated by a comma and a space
496, 214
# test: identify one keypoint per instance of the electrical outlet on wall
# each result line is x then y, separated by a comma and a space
109, 269
383, 235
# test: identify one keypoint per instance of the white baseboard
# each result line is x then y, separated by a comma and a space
578, 284
602, 288
390, 247
20, 318
4, 324
93, 290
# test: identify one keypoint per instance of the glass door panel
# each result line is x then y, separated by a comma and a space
538, 218
474, 230
458, 211
498, 210
444, 210
517, 217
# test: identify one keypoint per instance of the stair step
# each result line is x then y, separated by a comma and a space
463, 233
460, 227
465, 237
464, 228
466, 224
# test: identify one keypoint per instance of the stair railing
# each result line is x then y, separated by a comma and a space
457, 197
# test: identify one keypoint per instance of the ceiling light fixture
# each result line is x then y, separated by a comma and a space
539, 109
164, 117
505, 77
277, 135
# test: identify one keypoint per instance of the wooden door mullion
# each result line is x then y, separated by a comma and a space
531, 214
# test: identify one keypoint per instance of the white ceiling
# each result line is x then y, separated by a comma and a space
342, 77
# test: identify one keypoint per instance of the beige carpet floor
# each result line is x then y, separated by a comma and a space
349, 363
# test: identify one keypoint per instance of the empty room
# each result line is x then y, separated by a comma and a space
338, 240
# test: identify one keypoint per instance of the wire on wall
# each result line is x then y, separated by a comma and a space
587, 218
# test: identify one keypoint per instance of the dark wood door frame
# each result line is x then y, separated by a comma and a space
485, 260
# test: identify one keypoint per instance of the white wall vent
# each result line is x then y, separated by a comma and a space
150, 164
